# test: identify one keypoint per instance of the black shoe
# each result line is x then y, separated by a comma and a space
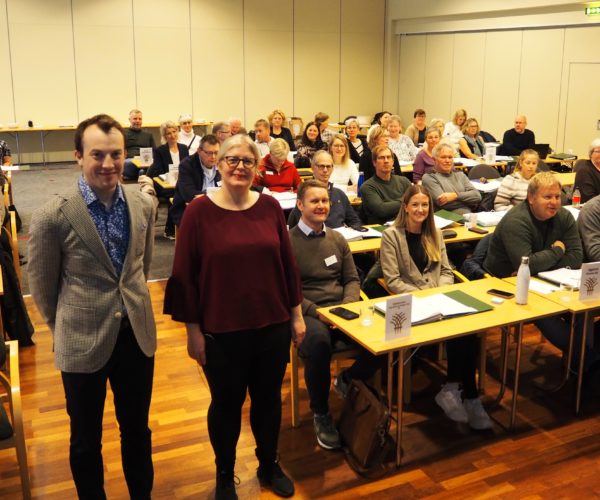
328, 436
225, 489
169, 235
271, 476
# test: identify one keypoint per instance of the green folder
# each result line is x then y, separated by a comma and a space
468, 300
446, 214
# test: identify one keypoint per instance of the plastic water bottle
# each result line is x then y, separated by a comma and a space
576, 199
523, 276
361, 179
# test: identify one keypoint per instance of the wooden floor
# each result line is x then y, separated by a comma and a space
552, 454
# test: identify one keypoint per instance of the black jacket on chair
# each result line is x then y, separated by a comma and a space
190, 183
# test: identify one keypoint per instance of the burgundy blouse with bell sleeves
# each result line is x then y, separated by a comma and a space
233, 270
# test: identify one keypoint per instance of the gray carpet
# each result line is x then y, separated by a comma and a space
34, 187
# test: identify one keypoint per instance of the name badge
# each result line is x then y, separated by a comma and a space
268, 172
330, 261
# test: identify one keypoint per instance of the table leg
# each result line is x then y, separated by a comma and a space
504, 367
584, 333
513, 411
400, 404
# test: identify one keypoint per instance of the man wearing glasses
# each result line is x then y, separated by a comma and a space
197, 173
382, 193
341, 212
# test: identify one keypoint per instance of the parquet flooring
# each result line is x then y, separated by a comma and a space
552, 453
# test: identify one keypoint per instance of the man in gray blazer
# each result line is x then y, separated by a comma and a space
89, 258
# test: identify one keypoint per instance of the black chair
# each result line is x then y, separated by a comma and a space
487, 171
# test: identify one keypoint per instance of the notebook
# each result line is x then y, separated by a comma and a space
542, 150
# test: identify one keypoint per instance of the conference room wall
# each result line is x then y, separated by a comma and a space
67, 59
497, 74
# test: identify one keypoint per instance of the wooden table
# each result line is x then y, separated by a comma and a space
570, 300
565, 179
507, 314
462, 235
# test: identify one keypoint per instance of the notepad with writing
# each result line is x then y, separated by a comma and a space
564, 275
351, 234
441, 306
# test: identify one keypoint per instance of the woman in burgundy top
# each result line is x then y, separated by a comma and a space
235, 285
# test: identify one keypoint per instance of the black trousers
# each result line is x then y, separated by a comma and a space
462, 363
316, 351
130, 373
252, 361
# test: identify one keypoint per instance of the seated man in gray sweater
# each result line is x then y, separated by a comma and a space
450, 189
381, 194
329, 278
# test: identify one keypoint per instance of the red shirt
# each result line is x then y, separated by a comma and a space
233, 270
284, 180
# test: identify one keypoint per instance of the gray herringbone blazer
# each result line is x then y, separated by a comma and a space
75, 287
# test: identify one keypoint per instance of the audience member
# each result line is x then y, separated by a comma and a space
262, 137
239, 316
546, 233
424, 162
453, 129
381, 194
589, 229
309, 144
471, 144
416, 130
345, 171
450, 189
5, 155
322, 122
222, 131
135, 138
413, 257
400, 144
513, 189
169, 153
278, 131
197, 173
89, 259
356, 144
437, 123
379, 137
380, 119
329, 278
275, 172
587, 176
235, 126
341, 212
517, 139
187, 135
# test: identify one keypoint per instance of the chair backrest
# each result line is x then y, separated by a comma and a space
543, 166
487, 171
10, 382
11, 227
579, 164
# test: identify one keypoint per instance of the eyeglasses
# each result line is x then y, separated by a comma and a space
338, 146
595, 151
186, 123
387, 157
324, 167
209, 153
234, 161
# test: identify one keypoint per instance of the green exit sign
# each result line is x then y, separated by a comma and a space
592, 11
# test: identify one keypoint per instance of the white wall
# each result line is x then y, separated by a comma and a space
496, 59
64, 60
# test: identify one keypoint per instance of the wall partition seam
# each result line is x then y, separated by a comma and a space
244, 59
135, 75
191, 59
10, 63
560, 94
339, 106
75, 64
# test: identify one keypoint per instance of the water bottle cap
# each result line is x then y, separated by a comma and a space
525, 260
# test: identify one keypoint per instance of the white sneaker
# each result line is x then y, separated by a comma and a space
478, 417
449, 400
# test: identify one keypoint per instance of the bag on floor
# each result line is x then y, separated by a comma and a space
364, 428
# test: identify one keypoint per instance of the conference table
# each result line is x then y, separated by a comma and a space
507, 314
45, 130
570, 300
462, 235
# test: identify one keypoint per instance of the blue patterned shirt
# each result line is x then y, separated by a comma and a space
112, 224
